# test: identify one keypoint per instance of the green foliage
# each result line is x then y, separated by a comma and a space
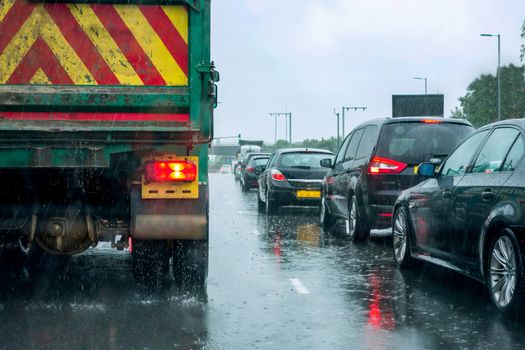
522, 55
480, 105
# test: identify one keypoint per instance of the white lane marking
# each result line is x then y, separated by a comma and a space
298, 285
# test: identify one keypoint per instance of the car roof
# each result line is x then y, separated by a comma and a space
388, 120
516, 122
303, 150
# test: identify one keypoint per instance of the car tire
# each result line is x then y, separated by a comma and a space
326, 220
190, 263
358, 229
244, 187
261, 206
401, 239
150, 262
504, 273
271, 205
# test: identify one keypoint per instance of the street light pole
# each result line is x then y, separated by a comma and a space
288, 119
499, 70
338, 140
425, 79
348, 109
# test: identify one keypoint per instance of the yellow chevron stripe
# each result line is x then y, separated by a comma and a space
5, 6
41, 24
66, 56
18, 47
178, 15
40, 78
152, 45
106, 46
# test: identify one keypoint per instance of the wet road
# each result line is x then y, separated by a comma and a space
274, 283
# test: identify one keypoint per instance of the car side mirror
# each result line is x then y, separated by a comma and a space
326, 163
427, 169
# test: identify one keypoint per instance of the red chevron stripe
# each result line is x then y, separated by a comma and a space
39, 56
13, 21
81, 43
169, 35
82, 116
128, 45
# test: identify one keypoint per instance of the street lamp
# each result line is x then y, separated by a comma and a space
425, 79
338, 140
288, 119
499, 71
355, 109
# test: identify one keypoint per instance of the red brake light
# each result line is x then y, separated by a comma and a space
178, 170
277, 175
250, 169
379, 165
329, 180
432, 121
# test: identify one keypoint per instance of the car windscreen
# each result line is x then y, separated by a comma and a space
417, 142
304, 160
259, 161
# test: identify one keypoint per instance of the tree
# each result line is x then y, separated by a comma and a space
328, 144
480, 105
522, 56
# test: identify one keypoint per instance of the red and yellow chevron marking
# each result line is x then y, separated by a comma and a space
93, 44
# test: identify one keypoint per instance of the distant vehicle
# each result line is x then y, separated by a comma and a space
247, 158
254, 168
226, 169
292, 177
468, 216
376, 161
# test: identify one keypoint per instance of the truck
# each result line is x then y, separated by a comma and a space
106, 114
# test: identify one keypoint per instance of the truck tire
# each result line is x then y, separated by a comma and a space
190, 263
150, 262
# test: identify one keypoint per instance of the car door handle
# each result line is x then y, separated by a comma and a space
488, 195
446, 194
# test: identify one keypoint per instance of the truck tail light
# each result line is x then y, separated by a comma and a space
178, 170
380, 165
250, 169
277, 175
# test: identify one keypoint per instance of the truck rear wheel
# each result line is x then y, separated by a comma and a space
150, 262
190, 263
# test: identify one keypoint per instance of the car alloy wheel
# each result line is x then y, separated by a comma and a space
400, 234
352, 218
322, 211
503, 277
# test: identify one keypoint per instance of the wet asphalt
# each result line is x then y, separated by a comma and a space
276, 282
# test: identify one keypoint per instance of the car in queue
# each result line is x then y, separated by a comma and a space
246, 159
225, 169
254, 168
469, 215
292, 177
376, 161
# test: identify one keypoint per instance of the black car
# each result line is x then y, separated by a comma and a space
253, 169
246, 159
376, 161
469, 215
292, 177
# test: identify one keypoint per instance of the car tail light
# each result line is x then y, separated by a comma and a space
380, 165
179, 170
277, 175
432, 121
250, 169
329, 180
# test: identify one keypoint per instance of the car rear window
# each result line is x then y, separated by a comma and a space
417, 142
259, 161
304, 160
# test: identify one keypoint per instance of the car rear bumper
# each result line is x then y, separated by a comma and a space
289, 197
380, 216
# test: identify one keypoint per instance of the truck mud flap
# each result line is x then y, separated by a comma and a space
169, 219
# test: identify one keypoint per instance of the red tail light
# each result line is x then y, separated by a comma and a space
178, 170
379, 165
329, 180
277, 175
432, 121
250, 169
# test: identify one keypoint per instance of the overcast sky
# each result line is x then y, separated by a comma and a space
310, 56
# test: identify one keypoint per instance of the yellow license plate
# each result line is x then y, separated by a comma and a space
308, 194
